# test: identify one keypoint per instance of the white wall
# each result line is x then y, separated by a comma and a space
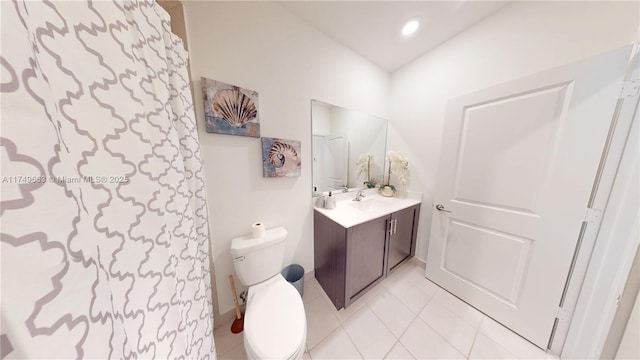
260, 46
321, 119
630, 347
521, 39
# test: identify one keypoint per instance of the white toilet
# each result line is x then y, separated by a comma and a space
275, 325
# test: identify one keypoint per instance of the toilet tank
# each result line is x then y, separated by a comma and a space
258, 259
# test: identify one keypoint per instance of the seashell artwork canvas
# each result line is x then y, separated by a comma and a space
229, 109
280, 157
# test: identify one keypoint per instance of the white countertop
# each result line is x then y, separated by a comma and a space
349, 213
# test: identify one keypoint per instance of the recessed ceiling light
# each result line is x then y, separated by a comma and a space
410, 27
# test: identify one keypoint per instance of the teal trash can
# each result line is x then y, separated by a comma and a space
294, 274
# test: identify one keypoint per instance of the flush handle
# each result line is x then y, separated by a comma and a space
238, 258
440, 207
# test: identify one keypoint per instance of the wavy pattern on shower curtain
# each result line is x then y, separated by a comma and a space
104, 240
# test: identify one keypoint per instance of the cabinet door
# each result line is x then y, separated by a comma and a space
402, 236
365, 256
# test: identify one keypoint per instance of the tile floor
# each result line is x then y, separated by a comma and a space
404, 317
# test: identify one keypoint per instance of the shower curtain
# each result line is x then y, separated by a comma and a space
104, 247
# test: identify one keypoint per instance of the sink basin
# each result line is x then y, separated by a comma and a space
371, 203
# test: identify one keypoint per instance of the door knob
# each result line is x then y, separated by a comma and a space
440, 207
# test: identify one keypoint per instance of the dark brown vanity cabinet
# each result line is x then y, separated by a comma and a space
404, 225
349, 261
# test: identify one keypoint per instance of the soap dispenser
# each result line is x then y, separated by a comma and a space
330, 201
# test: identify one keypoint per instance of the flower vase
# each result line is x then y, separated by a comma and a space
387, 191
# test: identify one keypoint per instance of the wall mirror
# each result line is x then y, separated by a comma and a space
340, 137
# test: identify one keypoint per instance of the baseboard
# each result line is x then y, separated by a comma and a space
419, 262
310, 274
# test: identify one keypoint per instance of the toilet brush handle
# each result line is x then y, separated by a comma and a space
235, 296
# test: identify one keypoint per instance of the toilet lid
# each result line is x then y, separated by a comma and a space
275, 323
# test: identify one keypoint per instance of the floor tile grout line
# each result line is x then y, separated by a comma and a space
415, 316
473, 343
352, 343
388, 351
404, 303
386, 327
443, 338
385, 324
334, 312
405, 331
392, 346
405, 348
457, 298
450, 311
324, 338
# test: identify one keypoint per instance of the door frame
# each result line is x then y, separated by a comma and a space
591, 294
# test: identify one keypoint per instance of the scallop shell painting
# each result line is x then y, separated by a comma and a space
280, 157
229, 109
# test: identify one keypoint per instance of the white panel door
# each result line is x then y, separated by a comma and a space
337, 161
516, 172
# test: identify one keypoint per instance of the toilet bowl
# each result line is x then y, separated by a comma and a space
275, 325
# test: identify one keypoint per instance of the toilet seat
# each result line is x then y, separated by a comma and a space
275, 325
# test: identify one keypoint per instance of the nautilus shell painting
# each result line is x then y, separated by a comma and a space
280, 157
229, 109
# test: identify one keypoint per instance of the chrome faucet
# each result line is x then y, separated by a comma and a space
359, 196
344, 188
